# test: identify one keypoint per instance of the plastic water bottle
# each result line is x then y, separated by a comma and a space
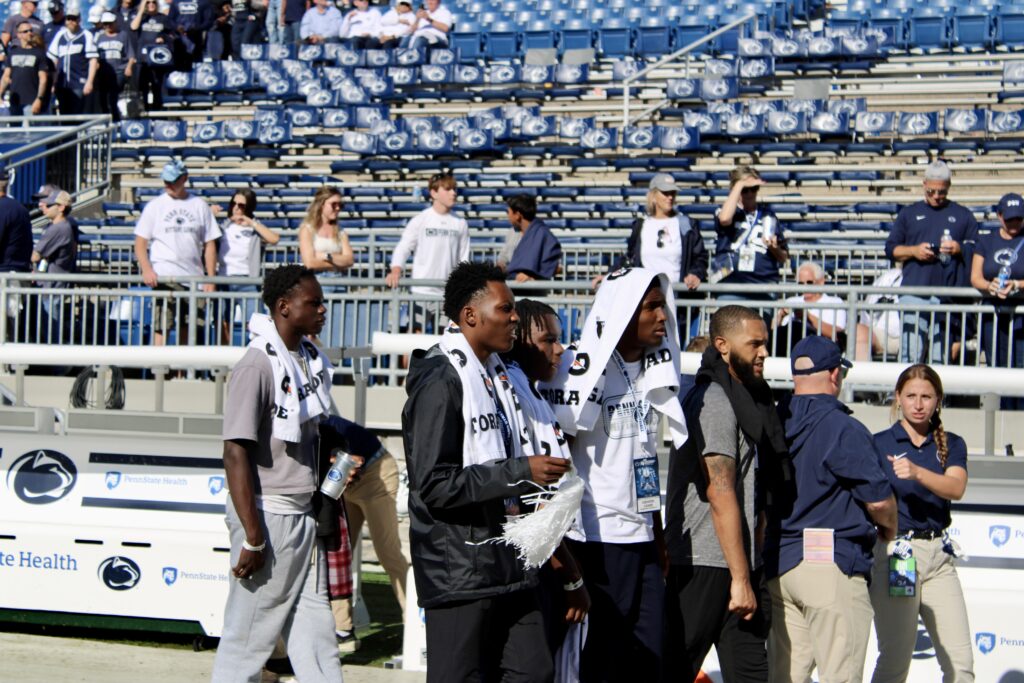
946, 237
43, 266
417, 194
1004, 278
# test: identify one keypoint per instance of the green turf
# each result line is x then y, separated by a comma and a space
382, 640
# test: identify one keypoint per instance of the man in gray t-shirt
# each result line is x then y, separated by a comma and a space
278, 586
715, 595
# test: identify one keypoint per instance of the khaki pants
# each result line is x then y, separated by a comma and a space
373, 498
939, 601
819, 616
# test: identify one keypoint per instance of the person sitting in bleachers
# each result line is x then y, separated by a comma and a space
360, 27
396, 24
878, 332
793, 323
321, 23
433, 22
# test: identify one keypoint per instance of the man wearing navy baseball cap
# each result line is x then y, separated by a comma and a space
820, 536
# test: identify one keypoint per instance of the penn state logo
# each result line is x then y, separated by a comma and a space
784, 122
178, 79
739, 125
718, 67
821, 45
336, 118
396, 141
871, 121
784, 47
459, 356
433, 73
160, 55
250, 51
278, 87
703, 122
134, 129
962, 120
469, 73
640, 137
272, 134
535, 126
580, 364
474, 138
170, 575
432, 140
359, 141
573, 128
803, 107
442, 56
205, 132
383, 127
503, 73
370, 116
235, 79
215, 484
167, 129
986, 642
916, 124
848, 107
377, 57
855, 44
409, 57
826, 122
999, 534
112, 480
1005, 121
318, 97
308, 53
754, 68
402, 76
535, 74
376, 86
240, 129
348, 58
302, 117
681, 89
750, 48
597, 137
42, 477
419, 126
206, 81
119, 573
350, 92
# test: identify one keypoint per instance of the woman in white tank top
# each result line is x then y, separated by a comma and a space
325, 249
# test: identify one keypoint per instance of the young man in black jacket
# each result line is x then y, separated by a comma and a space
463, 434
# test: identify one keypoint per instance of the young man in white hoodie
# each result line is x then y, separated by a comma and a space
437, 238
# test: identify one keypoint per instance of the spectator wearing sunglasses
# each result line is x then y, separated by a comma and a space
26, 74
665, 241
797, 320
934, 240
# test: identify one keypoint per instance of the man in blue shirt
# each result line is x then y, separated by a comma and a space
821, 531
931, 258
538, 256
320, 24
15, 230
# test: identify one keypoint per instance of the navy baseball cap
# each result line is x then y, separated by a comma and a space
824, 353
1011, 206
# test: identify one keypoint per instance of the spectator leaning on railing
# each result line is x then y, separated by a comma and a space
799, 321
934, 240
175, 236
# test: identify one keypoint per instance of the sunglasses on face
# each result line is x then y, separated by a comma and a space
241, 205
936, 193
334, 205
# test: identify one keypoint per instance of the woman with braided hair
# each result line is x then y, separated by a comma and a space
927, 467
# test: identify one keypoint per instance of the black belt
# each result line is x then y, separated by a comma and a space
922, 534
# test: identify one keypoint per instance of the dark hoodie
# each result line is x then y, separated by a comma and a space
836, 473
453, 508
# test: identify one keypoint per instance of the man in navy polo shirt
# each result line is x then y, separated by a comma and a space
820, 535
931, 258
15, 230
538, 256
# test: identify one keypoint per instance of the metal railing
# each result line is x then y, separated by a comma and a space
72, 152
104, 311
670, 59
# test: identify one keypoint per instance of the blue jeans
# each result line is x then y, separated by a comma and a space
290, 33
921, 341
274, 31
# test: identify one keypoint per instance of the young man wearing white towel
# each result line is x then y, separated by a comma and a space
468, 452
278, 393
621, 379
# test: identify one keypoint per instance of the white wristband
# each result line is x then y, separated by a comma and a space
254, 548
574, 586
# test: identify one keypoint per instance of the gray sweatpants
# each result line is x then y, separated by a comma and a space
287, 598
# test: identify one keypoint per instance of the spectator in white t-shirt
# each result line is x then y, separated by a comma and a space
438, 240
360, 26
434, 21
240, 250
802, 321
176, 236
397, 23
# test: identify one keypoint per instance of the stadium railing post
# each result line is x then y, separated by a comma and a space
990, 404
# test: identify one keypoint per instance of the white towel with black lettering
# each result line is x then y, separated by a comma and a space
298, 398
483, 441
581, 377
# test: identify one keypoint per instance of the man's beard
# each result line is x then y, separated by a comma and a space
745, 371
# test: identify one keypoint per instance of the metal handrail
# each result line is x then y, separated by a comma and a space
672, 58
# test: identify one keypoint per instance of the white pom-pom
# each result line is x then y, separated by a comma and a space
536, 535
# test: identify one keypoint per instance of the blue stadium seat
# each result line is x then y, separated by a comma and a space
892, 25
539, 35
1009, 26
576, 34
615, 38
929, 28
690, 29
502, 42
654, 38
973, 27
